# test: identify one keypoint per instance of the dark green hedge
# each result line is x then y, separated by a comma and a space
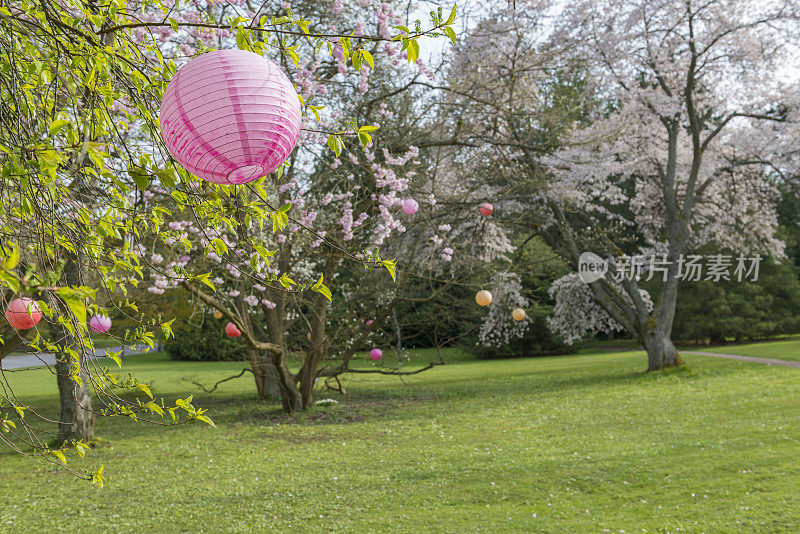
205, 342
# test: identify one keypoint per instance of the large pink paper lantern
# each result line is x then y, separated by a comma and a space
100, 323
232, 330
376, 354
410, 206
230, 116
23, 313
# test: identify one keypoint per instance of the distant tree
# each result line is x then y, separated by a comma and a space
716, 311
684, 127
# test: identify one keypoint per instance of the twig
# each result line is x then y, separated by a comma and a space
201, 386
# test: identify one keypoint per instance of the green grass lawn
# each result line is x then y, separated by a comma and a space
582, 443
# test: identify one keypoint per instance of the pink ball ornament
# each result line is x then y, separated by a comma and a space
100, 323
23, 313
369, 322
231, 330
486, 209
375, 354
410, 206
230, 116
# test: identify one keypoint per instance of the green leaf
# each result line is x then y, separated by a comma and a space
391, 266
452, 16
74, 299
319, 287
145, 389
368, 58
450, 33
206, 420
140, 178
286, 282
153, 407
13, 259
336, 144
56, 126
412, 50
60, 455
98, 478
205, 278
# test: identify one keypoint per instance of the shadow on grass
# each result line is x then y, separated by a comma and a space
479, 383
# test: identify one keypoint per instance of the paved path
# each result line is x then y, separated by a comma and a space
21, 361
767, 361
753, 359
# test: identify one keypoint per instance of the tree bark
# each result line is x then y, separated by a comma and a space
661, 353
398, 334
77, 419
266, 376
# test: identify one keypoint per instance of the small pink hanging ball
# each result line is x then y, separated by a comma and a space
230, 116
231, 330
23, 313
375, 354
486, 209
410, 206
100, 323
369, 322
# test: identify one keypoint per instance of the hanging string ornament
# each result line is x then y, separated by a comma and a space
23, 313
230, 116
483, 298
232, 330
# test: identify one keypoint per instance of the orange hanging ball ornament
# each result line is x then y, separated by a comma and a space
217, 314
483, 298
518, 314
23, 313
231, 330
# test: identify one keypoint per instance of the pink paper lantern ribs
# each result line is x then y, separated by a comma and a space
23, 313
230, 116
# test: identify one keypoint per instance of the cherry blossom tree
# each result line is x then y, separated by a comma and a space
683, 122
364, 201
82, 161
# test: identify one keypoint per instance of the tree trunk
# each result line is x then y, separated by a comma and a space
290, 394
77, 419
266, 376
398, 334
661, 353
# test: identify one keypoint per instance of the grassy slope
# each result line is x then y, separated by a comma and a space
574, 443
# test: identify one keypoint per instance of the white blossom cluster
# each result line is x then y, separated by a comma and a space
576, 314
498, 327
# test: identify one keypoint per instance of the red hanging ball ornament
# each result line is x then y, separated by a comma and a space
231, 330
23, 313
